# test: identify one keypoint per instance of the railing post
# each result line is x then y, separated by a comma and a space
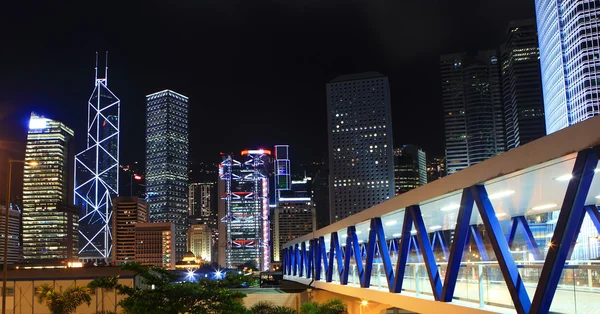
481, 290
417, 286
354, 274
379, 276
589, 275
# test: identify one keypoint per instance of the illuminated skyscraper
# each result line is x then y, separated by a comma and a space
200, 241
154, 244
14, 230
127, 212
244, 231
569, 39
49, 220
473, 109
410, 168
522, 85
97, 172
361, 164
167, 163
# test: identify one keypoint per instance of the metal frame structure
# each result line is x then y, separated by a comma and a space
247, 207
569, 222
97, 170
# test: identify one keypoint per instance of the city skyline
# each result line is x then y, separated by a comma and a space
136, 73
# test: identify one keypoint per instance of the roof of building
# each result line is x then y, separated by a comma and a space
67, 273
357, 76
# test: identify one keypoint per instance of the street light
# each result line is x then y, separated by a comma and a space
5, 264
363, 303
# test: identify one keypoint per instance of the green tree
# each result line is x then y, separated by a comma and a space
203, 297
63, 302
103, 284
267, 307
333, 306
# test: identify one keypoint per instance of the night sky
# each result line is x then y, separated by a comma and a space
255, 71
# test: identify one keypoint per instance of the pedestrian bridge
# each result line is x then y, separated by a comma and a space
516, 233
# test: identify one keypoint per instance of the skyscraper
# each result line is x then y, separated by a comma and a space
155, 243
167, 163
294, 215
473, 110
127, 212
200, 241
522, 85
97, 171
244, 231
361, 165
569, 40
14, 234
410, 168
200, 204
50, 225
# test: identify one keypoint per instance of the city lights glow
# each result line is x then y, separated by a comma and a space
565, 177
450, 207
501, 194
38, 123
543, 207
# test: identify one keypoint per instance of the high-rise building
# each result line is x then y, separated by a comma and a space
244, 231
320, 187
200, 241
361, 165
14, 234
97, 171
569, 40
410, 168
473, 110
127, 212
155, 244
167, 163
50, 222
294, 215
522, 84
436, 168
203, 211
200, 204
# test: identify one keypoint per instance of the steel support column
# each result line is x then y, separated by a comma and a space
302, 259
529, 239
403, 251
334, 252
498, 241
594, 215
566, 231
428, 257
474, 231
323, 257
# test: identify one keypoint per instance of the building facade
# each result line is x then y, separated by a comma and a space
320, 188
127, 212
473, 109
200, 241
294, 215
50, 222
522, 84
361, 165
97, 172
155, 244
436, 168
569, 41
244, 231
410, 168
167, 151
15, 251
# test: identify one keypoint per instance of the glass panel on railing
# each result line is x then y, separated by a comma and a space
565, 299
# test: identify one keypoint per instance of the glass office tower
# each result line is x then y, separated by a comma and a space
570, 60
361, 164
167, 163
50, 225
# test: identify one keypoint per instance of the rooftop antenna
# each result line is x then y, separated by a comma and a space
106, 69
96, 75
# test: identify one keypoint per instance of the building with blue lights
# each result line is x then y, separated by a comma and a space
167, 151
361, 164
569, 40
50, 225
97, 172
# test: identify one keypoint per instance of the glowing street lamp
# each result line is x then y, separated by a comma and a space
363, 303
